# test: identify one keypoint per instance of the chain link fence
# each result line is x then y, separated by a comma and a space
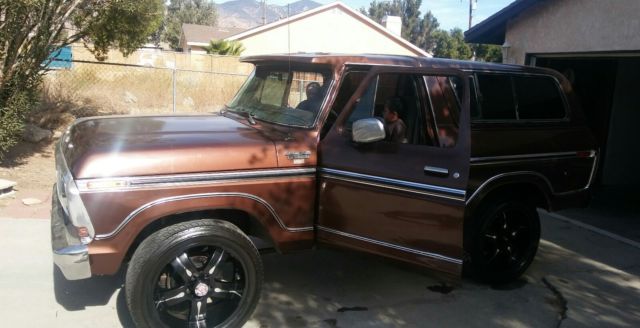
147, 83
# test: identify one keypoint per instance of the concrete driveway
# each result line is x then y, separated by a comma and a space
579, 279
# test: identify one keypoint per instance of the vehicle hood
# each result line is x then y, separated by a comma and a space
157, 145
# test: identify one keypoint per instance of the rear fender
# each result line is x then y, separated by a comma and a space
536, 180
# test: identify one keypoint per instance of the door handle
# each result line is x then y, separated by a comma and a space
437, 171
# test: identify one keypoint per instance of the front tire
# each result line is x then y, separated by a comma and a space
502, 241
203, 273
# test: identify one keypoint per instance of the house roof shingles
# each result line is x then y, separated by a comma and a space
201, 34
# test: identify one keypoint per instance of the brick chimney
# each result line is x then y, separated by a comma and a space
393, 24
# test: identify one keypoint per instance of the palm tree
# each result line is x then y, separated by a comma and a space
224, 47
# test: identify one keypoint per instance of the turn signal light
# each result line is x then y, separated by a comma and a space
83, 233
106, 184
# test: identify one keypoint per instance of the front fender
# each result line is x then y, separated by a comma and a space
109, 249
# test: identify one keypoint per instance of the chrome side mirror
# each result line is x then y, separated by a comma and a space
367, 130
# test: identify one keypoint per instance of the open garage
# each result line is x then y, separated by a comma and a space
596, 45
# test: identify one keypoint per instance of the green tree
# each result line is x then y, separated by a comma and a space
378, 9
488, 52
224, 47
451, 45
30, 30
409, 10
425, 34
201, 12
415, 29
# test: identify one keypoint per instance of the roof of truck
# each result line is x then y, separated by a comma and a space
392, 60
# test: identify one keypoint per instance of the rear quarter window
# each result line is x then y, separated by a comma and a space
496, 97
511, 97
539, 98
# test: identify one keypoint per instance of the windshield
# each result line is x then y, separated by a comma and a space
284, 96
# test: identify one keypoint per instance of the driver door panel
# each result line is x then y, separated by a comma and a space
384, 197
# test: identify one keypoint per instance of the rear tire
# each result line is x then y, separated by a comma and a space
501, 241
203, 273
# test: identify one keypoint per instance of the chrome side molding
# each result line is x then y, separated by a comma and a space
394, 184
165, 200
394, 246
530, 157
155, 181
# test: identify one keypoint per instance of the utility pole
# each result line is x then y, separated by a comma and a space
471, 7
264, 12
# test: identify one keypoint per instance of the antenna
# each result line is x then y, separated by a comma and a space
289, 36
288, 31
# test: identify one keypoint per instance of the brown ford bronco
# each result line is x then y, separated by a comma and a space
434, 162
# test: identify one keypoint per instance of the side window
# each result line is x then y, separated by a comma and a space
538, 98
395, 100
517, 97
350, 82
473, 100
445, 107
364, 105
495, 96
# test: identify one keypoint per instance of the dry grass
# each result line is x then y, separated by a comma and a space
205, 92
170, 59
97, 89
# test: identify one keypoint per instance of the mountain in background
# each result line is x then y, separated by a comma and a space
248, 13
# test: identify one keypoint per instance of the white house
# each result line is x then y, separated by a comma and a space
332, 28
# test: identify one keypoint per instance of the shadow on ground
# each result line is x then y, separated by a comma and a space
574, 279
22, 151
96, 291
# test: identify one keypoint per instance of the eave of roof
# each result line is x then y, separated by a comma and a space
416, 50
493, 29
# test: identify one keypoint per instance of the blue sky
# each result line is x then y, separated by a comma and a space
450, 13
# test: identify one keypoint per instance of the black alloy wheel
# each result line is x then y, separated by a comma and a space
503, 242
202, 282
202, 273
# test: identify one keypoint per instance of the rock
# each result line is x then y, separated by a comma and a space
130, 98
35, 134
6, 188
31, 201
188, 102
7, 194
4, 184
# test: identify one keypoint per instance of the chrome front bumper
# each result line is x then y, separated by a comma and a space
69, 254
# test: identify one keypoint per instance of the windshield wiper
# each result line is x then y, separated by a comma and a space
248, 115
250, 118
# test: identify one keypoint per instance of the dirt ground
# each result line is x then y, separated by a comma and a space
32, 166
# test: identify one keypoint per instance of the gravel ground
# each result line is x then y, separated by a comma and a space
32, 166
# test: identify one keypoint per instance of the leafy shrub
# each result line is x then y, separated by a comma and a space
225, 47
13, 112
